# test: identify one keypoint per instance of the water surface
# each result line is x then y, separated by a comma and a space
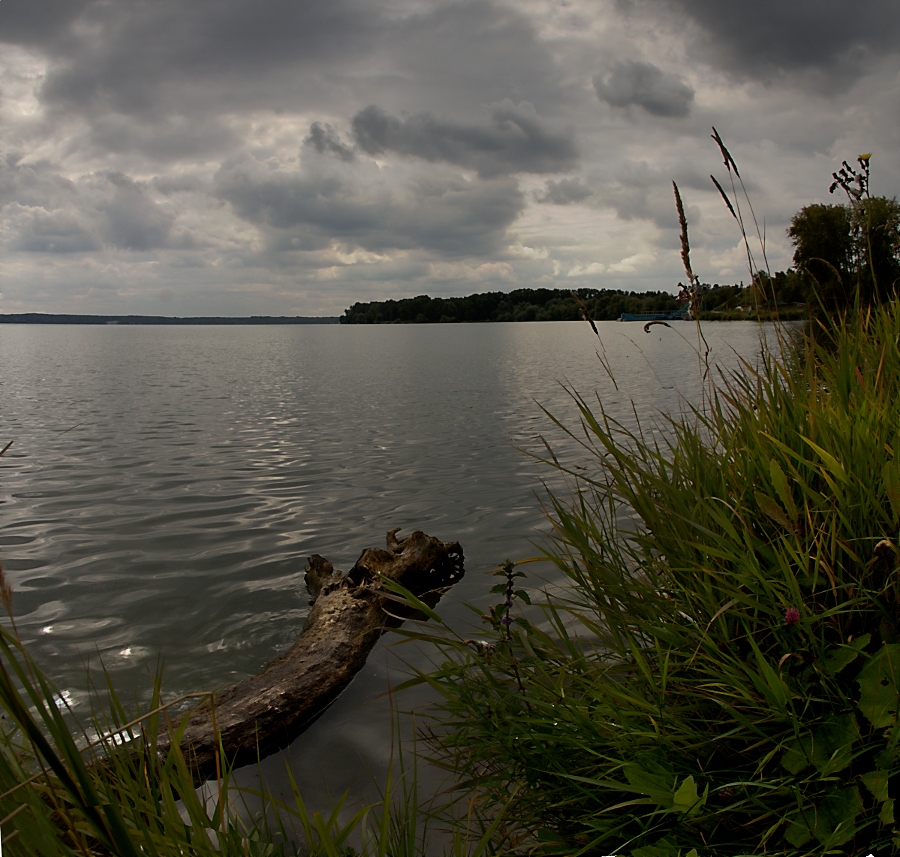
166, 484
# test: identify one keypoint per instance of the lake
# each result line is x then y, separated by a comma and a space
166, 484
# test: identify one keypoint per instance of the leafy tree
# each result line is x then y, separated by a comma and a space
843, 250
824, 252
877, 224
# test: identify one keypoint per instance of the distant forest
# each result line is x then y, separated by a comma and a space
523, 305
519, 305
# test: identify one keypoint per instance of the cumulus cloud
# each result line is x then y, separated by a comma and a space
326, 141
515, 140
217, 146
441, 213
46, 212
639, 191
563, 192
640, 84
39, 231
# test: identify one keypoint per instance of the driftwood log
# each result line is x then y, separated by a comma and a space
265, 713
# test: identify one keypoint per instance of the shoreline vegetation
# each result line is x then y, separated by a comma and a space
727, 303
719, 678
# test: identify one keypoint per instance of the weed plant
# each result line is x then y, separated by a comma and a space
722, 676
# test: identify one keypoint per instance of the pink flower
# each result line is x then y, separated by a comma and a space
791, 616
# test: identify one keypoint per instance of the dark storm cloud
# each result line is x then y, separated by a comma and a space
831, 38
466, 53
40, 231
516, 140
641, 84
444, 214
170, 80
165, 78
326, 141
134, 221
35, 23
563, 192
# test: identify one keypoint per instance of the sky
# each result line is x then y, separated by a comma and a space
292, 157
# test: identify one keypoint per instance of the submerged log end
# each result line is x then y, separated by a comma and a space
319, 571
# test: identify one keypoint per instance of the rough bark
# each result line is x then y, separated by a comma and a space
266, 712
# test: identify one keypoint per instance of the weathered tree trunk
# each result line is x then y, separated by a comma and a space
266, 712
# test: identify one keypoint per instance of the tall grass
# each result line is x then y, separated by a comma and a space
726, 676
722, 675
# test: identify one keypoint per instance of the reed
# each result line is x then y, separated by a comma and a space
722, 675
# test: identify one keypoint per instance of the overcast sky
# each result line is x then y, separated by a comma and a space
290, 157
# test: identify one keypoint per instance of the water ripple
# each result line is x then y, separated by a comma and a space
166, 484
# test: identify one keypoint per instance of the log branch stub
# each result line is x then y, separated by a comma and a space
266, 712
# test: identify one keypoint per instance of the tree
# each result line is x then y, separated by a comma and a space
848, 250
877, 224
824, 252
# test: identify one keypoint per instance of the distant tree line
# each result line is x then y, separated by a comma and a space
518, 305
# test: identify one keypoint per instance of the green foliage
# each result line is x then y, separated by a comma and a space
823, 250
723, 674
878, 225
518, 305
848, 251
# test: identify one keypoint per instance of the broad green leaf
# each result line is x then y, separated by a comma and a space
886, 816
838, 657
833, 744
830, 748
798, 754
884, 760
657, 786
686, 799
771, 508
779, 480
877, 783
836, 816
799, 830
878, 685
662, 848
834, 466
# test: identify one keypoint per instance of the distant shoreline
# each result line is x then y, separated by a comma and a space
63, 318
